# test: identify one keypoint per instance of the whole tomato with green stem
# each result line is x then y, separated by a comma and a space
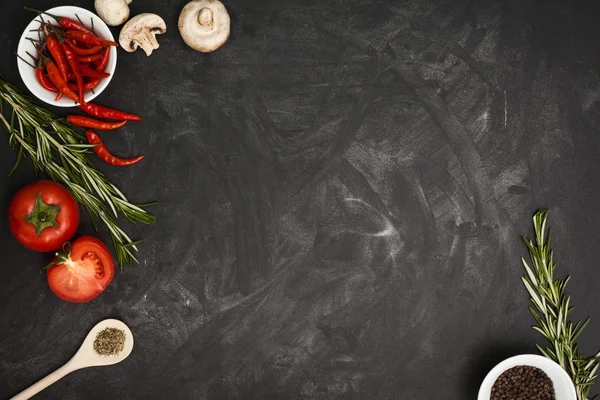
43, 216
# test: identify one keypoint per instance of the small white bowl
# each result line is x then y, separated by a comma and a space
563, 386
28, 74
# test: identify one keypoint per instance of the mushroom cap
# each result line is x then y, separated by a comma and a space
141, 31
204, 25
113, 12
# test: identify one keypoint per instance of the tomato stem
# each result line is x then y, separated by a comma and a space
62, 257
43, 215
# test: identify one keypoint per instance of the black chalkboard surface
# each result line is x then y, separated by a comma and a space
342, 188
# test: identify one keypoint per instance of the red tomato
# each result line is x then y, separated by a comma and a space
84, 272
43, 215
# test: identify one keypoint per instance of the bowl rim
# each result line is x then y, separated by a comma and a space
534, 360
35, 88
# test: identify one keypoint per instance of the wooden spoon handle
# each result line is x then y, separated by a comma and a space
45, 382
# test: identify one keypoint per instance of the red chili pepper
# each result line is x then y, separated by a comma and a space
40, 73
57, 55
89, 59
65, 22
69, 23
87, 86
89, 38
102, 152
58, 96
104, 60
82, 51
44, 81
87, 122
57, 79
92, 73
75, 67
108, 113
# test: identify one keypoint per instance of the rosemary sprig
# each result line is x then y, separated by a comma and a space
59, 151
551, 308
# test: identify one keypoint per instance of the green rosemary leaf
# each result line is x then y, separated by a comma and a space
530, 274
579, 327
17, 161
540, 330
134, 243
559, 322
544, 353
589, 363
536, 316
593, 372
534, 296
12, 121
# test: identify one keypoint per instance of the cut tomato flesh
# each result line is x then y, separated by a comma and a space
93, 258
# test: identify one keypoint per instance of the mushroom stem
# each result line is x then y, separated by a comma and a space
147, 41
205, 17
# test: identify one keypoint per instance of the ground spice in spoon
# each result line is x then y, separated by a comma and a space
523, 383
109, 342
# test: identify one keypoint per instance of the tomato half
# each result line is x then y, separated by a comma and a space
43, 215
84, 271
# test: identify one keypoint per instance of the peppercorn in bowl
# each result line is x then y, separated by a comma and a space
66, 51
526, 377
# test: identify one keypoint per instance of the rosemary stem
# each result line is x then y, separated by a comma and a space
549, 298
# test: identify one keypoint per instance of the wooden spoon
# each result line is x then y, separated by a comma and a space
85, 357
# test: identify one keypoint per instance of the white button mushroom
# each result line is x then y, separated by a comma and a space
141, 31
113, 12
204, 25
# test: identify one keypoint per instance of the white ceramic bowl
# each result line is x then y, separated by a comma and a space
563, 386
28, 74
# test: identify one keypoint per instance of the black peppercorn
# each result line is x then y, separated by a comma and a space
523, 383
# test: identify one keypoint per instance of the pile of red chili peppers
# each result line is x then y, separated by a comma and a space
71, 60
